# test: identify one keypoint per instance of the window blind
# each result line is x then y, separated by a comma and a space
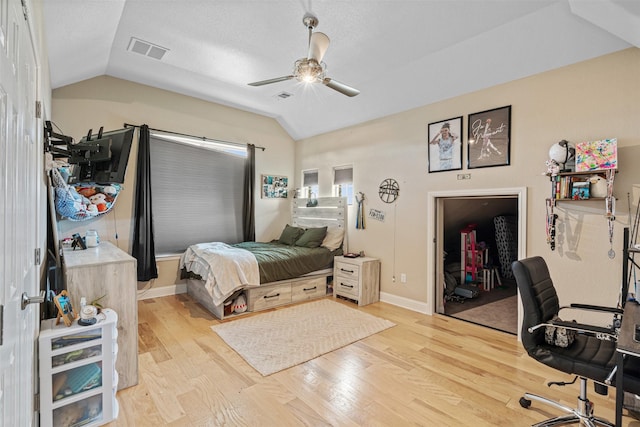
197, 195
343, 175
310, 178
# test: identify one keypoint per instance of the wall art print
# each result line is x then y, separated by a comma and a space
489, 138
275, 187
597, 155
445, 145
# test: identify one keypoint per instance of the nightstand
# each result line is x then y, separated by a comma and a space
357, 279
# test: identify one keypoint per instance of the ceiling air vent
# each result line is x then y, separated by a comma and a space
145, 48
283, 95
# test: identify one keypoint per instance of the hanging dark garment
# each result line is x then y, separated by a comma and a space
143, 246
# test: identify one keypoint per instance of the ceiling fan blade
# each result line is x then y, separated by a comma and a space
318, 45
340, 87
266, 82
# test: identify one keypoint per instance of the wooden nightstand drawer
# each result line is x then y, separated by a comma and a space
308, 289
344, 269
264, 297
346, 287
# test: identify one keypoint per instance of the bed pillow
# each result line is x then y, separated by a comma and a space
333, 239
290, 235
312, 237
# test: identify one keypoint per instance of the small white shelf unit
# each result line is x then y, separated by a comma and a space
78, 379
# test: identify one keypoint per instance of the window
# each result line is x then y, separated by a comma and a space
197, 192
309, 184
343, 183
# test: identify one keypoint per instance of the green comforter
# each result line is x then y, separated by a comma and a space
280, 262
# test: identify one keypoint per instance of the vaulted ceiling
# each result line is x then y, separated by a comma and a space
400, 54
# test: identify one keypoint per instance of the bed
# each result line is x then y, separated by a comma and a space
297, 266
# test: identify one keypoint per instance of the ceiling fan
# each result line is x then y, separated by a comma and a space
311, 69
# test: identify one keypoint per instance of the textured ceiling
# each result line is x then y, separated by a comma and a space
399, 54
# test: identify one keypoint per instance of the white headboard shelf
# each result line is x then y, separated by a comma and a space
329, 211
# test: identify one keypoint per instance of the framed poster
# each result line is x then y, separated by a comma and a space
489, 138
274, 186
445, 145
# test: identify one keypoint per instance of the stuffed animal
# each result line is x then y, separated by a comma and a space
240, 304
86, 191
553, 168
110, 190
598, 186
100, 201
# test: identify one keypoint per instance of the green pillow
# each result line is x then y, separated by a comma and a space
290, 235
312, 237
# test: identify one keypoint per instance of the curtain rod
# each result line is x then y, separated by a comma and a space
204, 138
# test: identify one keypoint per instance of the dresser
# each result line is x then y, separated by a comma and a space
357, 279
108, 271
78, 380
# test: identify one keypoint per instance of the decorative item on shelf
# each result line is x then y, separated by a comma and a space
553, 168
96, 303
598, 186
597, 155
562, 153
65, 309
91, 238
580, 190
88, 315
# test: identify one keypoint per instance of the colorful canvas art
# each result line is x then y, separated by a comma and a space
597, 155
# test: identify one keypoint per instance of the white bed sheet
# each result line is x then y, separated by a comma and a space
223, 268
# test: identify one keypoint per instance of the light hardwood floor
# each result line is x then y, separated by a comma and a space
425, 371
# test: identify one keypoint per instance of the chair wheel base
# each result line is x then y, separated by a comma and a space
525, 403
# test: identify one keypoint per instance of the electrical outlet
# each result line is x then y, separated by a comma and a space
464, 176
403, 278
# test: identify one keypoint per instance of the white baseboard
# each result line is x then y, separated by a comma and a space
409, 304
162, 291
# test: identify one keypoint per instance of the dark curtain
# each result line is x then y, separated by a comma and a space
143, 246
248, 214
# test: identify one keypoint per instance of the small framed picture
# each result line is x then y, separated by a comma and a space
65, 309
445, 145
274, 186
489, 138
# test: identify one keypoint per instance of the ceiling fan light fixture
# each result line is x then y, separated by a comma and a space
308, 70
311, 69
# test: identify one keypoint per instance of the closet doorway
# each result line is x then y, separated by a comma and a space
494, 221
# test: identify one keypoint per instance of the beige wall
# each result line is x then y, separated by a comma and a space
591, 100
110, 102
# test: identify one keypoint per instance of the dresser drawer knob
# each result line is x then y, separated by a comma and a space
346, 286
346, 271
310, 289
271, 296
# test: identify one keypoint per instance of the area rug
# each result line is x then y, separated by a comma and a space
280, 339
501, 315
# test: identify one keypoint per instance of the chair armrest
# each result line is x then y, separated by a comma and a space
595, 308
599, 331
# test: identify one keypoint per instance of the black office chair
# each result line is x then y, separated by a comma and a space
591, 356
